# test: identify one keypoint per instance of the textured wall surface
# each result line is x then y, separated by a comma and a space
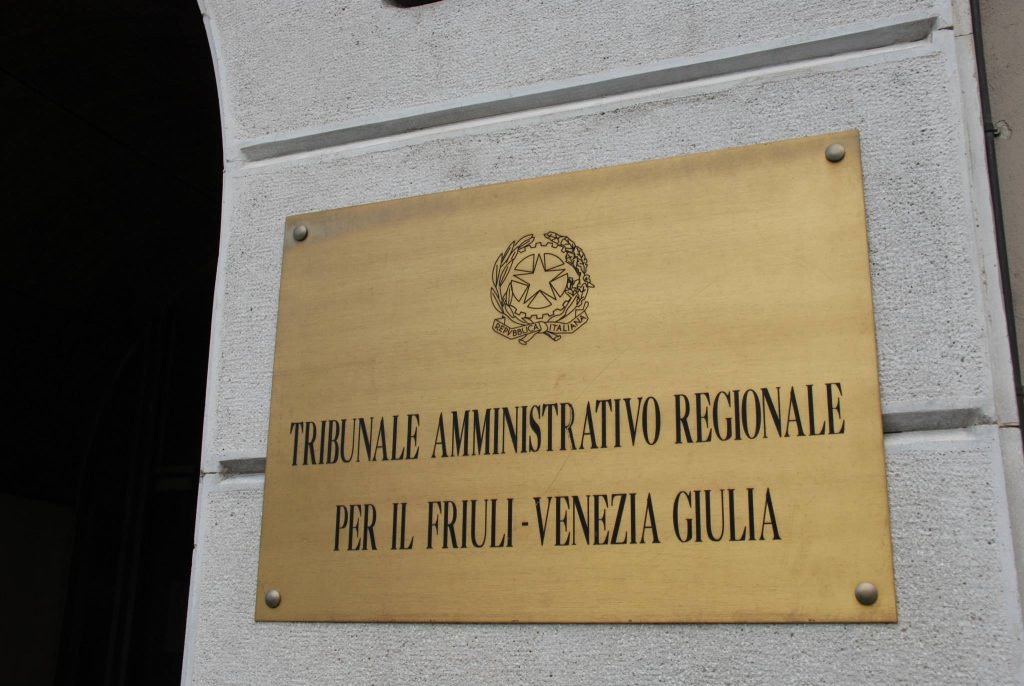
285, 67
948, 511
289, 65
1002, 21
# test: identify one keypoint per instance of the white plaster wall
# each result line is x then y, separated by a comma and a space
295, 64
285, 69
952, 577
1003, 21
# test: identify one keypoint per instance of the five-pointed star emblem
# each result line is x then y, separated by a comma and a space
539, 280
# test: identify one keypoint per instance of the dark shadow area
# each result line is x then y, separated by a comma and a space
112, 179
409, 3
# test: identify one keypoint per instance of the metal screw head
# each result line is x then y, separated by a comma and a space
835, 152
866, 593
272, 598
300, 232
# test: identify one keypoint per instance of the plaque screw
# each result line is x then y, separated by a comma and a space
300, 232
835, 152
273, 598
866, 593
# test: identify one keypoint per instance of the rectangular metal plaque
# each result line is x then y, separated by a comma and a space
643, 393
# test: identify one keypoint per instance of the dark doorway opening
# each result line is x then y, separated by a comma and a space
112, 181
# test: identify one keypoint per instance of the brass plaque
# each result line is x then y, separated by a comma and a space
643, 393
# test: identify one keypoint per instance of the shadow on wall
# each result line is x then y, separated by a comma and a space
112, 196
409, 3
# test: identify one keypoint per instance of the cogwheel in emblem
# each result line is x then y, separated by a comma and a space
540, 287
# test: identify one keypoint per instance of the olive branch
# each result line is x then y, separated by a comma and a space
500, 272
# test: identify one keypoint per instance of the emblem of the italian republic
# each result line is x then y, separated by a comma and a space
540, 287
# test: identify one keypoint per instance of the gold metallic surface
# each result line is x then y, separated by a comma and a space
737, 270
